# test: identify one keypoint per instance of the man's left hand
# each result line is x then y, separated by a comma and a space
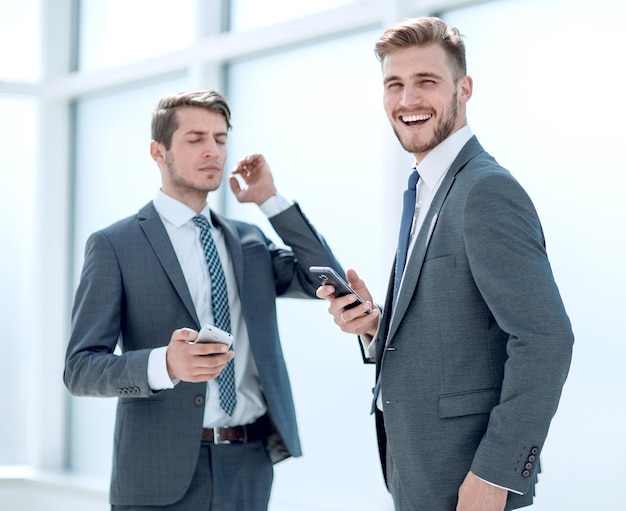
256, 174
478, 495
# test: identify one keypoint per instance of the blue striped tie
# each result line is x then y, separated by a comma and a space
221, 311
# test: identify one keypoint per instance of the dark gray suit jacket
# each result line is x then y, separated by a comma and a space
133, 294
479, 346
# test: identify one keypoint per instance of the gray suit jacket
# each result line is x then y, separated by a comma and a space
133, 294
479, 346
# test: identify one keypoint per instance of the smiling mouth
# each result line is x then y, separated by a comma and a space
414, 120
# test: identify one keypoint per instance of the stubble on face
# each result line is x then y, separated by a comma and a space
444, 127
420, 87
183, 185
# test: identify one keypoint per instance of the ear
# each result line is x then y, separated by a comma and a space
157, 151
464, 89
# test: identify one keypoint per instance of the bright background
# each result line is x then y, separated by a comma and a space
78, 81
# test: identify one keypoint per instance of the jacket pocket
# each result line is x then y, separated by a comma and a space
439, 263
468, 403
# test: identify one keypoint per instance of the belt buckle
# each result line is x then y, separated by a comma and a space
217, 440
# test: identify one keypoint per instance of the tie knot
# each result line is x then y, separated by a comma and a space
413, 179
201, 221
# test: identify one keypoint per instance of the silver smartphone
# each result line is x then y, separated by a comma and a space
210, 333
327, 275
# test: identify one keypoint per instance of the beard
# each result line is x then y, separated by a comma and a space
183, 184
443, 129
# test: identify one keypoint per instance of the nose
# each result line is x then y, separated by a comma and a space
411, 96
210, 149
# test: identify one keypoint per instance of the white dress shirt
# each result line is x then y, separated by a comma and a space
184, 235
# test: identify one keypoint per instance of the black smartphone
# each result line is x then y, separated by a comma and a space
327, 275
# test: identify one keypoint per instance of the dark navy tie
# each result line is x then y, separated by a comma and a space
221, 311
408, 212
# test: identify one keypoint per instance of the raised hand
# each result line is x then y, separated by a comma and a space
256, 174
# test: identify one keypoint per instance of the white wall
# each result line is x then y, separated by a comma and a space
547, 105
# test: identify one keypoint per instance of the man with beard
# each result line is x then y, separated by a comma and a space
473, 344
197, 426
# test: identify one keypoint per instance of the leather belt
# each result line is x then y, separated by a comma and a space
258, 430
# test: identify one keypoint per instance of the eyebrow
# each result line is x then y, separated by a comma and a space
204, 133
424, 74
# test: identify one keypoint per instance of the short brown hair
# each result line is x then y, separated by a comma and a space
422, 31
165, 121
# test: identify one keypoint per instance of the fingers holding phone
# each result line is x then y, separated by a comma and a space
187, 359
358, 285
351, 311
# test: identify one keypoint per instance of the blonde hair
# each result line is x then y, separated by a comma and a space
420, 32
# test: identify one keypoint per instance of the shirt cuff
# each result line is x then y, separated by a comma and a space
369, 347
158, 377
498, 486
369, 343
275, 205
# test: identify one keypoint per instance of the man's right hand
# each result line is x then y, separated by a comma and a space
189, 362
356, 320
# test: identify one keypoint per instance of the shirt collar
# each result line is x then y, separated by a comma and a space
175, 212
438, 161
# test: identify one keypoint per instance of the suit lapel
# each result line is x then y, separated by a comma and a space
155, 232
415, 262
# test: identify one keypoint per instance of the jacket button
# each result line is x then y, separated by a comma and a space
199, 400
528, 465
534, 450
526, 473
532, 458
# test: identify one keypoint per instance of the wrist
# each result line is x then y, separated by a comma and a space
265, 197
275, 204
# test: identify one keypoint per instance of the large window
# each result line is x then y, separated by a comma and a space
18, 133
248, 14
20, 40
305, 91
117, 32
18, 139
315, 114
